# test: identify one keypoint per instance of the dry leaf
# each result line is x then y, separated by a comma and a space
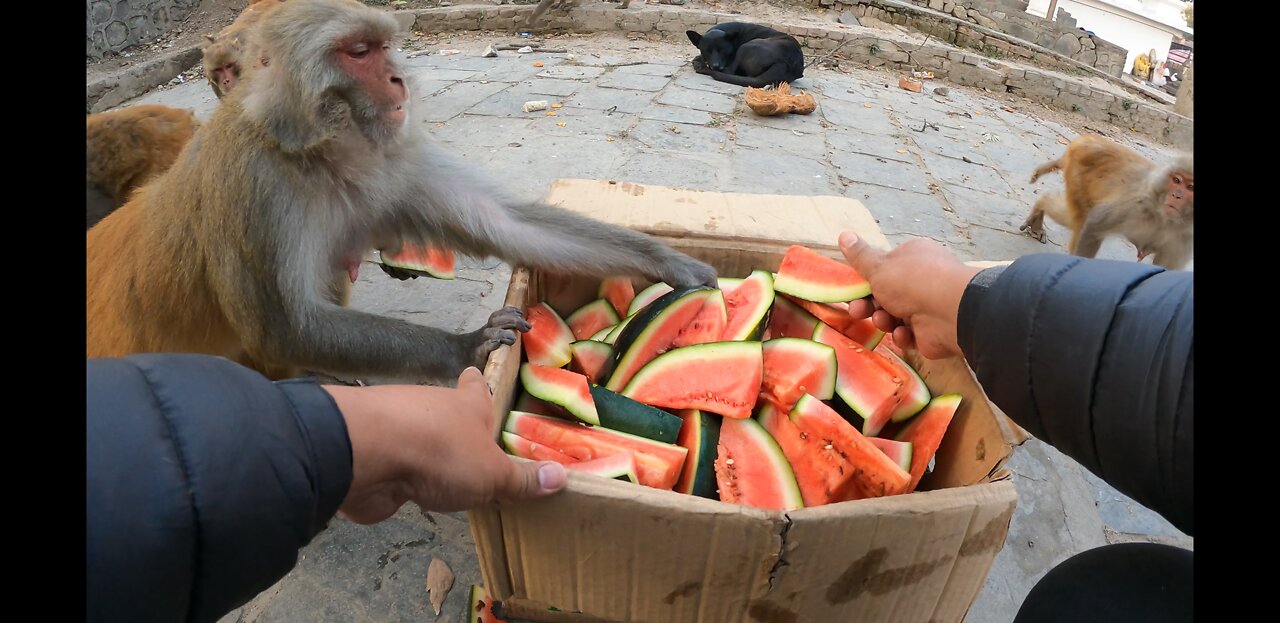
551, 113
557, 105
608, 139
1063, 141
866, 105
562, 123
439, 125
1007, 109
902, 151
537, 63
977, 112
439, 581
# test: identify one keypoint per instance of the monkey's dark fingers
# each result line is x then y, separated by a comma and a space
509, 318
490, 338
684, 271
398, 273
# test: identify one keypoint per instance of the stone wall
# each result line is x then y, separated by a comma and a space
1010, 17
861, 46
113, 25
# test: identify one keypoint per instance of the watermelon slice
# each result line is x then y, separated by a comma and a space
700, 435
619, 292
589, 358
823, 475
602, 334
547, 342
721, 377
751, 469
623, 414
749, 307
525, 449
915, 394
652, 332
808, 275
728, 284
658, 464
422, 260
527, 403
790, 320
836, 315
482, 607
875, 473
925, 433
708, 325
621, 466
591, 318
794, 367
647, 296
567, 389
612, 338
897, 451
867, 382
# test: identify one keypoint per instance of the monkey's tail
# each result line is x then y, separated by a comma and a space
1045, 169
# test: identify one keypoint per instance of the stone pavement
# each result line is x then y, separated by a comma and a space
954, 169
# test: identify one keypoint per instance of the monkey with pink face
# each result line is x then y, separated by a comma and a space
1110, 189
247, 246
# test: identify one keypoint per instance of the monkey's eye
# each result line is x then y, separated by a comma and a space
1191, 187
1177, 179
359, 50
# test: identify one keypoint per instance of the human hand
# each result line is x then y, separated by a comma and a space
433, 446
916, 289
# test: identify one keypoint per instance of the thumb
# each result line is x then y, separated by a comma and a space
528, 479
472, 379
860, 255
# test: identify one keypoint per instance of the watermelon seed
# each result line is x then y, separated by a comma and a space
826, 447
728, 461
804, 435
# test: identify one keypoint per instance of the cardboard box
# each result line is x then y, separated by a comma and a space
612, 551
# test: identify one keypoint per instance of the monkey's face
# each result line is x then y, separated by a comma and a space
1180, 194
382, 95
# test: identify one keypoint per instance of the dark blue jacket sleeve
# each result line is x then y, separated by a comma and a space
1094, 357
203, 481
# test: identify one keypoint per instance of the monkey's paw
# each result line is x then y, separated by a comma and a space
684, 271
501, 329
398, 273
1037, 234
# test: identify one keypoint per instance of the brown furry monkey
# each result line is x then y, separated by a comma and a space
224, 54
247, 246
1110, 189
126, 148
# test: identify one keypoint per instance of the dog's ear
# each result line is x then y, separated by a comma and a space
694, 37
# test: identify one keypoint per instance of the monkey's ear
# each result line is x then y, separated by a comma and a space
693, 36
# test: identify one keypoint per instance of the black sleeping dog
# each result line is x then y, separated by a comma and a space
748, 55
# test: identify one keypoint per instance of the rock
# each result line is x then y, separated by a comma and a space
849, 19
535, 105
525, 50
936, 4
1068, 44
489, 52
959, 12
941, 91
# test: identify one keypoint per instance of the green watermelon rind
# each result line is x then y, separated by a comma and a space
759, 317
702, 482
791, 308
919, 398
513, 417
904, 460
638, 333
810, 348
787, 284
559, 395
612, 337
727, 284
648, 296
589, 345
780, 466
423, 270
596, 306
855, 402
600, 335
620, 413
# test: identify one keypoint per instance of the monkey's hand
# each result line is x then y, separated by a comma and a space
398, 273
501, 329
680, 270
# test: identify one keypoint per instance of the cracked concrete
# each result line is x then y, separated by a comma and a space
642, 115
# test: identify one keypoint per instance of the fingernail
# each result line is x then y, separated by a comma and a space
551, 476
848, 239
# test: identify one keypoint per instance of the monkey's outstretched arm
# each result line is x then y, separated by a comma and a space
451, 203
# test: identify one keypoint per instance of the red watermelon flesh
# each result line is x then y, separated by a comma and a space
720, 377
925, 432
915, 394
824, 476
658, 464
748, 307
589, 358
794, 367
525, 449
619, 292
898, 451
652, 331
867, 382
620, 466
752, 470
426, 259
809, 275
591, 318
563, 388
876, 474
707, 325
789, 319
529, 404
547, 342
836, 316
482, 607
